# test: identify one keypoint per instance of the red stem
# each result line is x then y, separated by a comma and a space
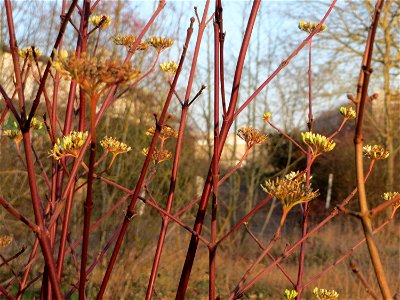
306, 207
43, 236
174, 172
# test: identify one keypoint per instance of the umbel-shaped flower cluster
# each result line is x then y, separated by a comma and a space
317, 142
69, 145
158, 155
290, 294
29, 53
160, 43
5, 240
100, 21
16, 134
323, 294
375, 152
169, 67
252, 136
310, 26
167, 132
290, 190
111, 144
128, 40
389, 196
94, 75
348, 112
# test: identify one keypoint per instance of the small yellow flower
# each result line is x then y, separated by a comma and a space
5, 240
317, 142
167, 132
114, 146
290, 294
310, 26
169, 67
27, 53
323, 294
389, 196
375, 152
69, 145
290, 190
266, 116
160, 43
158, 156
348, 112
100, 21
252, 136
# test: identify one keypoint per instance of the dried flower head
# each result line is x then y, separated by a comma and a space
317, 142
5, 240
323, 294
252, 136
310, 26
100, 21
348, 112
375, 152
114, 146
69, 145
290, 294
290, 190
266, 116
158, 155
389, 196
92, 74
27, 53
160, 43
169, 67
167, 132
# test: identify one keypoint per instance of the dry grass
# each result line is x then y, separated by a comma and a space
129, 280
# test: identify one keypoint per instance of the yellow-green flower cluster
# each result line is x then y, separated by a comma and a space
69, 145
93, 74
100, 21
125, 40
167, 132
389, 196
27, 53
375, 152
348, 112
310, 26
13, 134
323, 294
36, 124
114, 146
290, 190
160, 43
16, 134
5, 240
317, 142
290, 294
252, 136
169, 67
266, 116
158, 155
128, 40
